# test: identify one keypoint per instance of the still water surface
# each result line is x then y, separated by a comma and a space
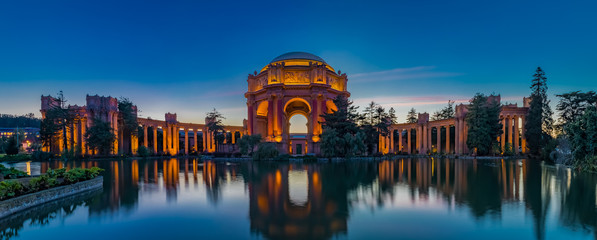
398, 199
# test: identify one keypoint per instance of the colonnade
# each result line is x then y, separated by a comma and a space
171, 136
512, 134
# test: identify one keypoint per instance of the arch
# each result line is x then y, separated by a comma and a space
262, 108
304, 120
295, 100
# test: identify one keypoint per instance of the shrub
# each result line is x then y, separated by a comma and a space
92, 173
143, 152
266, 150
42, 182
282, 157
74, 175
58, 173
10, 189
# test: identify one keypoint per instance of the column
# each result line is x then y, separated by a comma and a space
408, 137
516, 136
168, 139
186, 141
196, 140
270, 117
204, 135
155, 139
400, 140
439, 139
510, 132
164, 139
233, 137
523, 137
418, 140
392, 141
464, 136
503, 138
249, 122
448, 147
177, 140
83, 140
145, 137
425, 135
456, 136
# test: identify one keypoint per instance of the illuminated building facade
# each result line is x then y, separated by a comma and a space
176, 137
292, 83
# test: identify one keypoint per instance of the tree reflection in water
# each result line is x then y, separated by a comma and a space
481, 187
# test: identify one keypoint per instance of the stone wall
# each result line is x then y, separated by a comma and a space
13, 205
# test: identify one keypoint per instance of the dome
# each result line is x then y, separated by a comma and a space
297, 55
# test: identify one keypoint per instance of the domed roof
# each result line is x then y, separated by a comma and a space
297, 55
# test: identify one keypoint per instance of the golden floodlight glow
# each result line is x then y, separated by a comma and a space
315, 138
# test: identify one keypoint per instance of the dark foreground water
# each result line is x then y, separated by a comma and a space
401, 199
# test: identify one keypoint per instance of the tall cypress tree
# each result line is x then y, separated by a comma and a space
539, 122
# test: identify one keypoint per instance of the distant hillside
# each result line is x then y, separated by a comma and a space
13, 121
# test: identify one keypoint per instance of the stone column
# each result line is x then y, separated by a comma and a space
439, 139
233, 137
400, 140
83, 140
503, 138
164, 139
145, 137
510, 132
271, 112
465, 136
523, 137
448, 147
168, 135
456, 136
408, 138
249, 121
177, 140
186, 141
425, 141
392, 141
516, 136
418, 136
196, 140
204, 135
155, 139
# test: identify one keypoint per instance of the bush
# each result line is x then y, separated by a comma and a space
143, 152
58, 173
508, 150
10, 189
74, 175
42, 182
266, 150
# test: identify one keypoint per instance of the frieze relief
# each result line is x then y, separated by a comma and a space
296, 77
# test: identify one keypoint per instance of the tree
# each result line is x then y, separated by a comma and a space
248, 143
215, 126
411, 117
573, 105
58, 119
539, 122
128, 116
445, 113
392, 115
583, 139
100, 137
344, 119
12, 145
340, 129
483, 124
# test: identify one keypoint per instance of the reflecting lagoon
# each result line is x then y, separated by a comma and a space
390, 199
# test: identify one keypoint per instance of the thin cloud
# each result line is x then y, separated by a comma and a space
399, 74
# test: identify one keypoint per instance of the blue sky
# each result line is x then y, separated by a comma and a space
191, 56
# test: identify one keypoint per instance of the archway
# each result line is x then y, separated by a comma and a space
298, 125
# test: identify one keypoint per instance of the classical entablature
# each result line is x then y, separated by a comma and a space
292, 83
451, 134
